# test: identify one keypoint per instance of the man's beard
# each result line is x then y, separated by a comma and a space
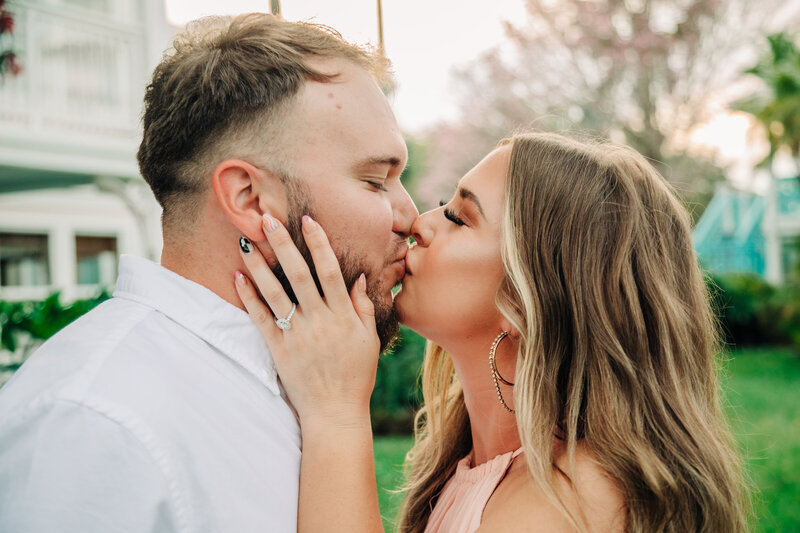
386, 319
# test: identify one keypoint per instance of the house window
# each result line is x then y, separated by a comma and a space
97, 260
23, 260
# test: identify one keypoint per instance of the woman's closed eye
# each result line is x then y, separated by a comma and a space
451, 215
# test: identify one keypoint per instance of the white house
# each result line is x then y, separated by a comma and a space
71, 198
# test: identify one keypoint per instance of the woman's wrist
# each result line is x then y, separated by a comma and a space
336, 421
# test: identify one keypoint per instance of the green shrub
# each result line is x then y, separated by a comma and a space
786, 312
753, 312
37, 321
397, 395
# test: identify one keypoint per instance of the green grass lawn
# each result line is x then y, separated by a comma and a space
390, 452
763, 390
764, 395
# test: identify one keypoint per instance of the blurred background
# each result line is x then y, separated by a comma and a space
708, 90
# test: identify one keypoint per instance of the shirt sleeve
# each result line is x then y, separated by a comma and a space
68, 467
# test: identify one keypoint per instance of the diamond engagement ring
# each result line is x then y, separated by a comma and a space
285, 323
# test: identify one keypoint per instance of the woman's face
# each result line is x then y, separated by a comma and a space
455, 268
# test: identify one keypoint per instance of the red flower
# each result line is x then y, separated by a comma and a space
6, 22
8, 63
13, 66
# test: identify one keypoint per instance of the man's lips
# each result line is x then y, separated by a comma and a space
402, 253
400, 263
400, 268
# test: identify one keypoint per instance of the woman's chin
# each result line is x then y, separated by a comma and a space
406, 306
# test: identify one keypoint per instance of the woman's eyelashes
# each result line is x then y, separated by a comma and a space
451, 215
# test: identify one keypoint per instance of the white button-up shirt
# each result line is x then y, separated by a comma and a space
159, 410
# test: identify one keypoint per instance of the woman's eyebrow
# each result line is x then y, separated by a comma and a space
467, 194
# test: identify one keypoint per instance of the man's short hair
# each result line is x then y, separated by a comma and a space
220, 92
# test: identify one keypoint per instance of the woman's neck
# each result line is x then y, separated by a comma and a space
494, 429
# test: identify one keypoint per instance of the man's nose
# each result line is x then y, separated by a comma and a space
404, 211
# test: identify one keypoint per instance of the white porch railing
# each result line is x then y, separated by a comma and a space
83, 69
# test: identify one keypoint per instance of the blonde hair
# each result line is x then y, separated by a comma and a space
222, 92
617, 346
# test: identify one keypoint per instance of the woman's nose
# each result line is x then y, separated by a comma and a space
421, 229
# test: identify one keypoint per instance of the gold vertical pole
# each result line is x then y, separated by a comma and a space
380, 26
275, 7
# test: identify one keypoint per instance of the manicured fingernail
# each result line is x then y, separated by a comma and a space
362, 283
244, 244
308, 223
270, 224
240, 279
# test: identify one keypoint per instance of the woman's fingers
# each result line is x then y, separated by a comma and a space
268, 285
292, 263
259, 313
364, 307
327, 265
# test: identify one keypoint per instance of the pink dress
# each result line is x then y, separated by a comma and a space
460, 505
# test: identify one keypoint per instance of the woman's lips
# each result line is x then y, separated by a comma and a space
408, 267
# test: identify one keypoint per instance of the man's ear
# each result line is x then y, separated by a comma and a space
245, 192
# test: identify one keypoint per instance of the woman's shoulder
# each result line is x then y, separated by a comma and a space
519, 505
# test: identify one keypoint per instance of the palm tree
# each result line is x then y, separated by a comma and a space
777, 106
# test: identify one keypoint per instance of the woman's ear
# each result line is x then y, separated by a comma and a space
245, 192
506, 324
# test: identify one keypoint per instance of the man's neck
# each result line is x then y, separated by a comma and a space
210, 264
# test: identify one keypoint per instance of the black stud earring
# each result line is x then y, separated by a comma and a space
244, 244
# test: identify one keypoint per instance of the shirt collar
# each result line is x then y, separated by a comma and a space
222, 325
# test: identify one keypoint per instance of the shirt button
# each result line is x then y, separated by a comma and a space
270, 374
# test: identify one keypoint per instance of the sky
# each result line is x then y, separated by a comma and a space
424, 39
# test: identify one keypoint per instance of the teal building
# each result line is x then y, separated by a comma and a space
746, 232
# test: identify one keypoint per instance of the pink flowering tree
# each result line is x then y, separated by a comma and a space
644, 73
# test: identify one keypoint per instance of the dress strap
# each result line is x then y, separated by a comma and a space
514, 455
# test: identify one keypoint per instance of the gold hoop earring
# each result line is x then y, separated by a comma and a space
495, 374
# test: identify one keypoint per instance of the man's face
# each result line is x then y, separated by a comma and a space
345, 149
